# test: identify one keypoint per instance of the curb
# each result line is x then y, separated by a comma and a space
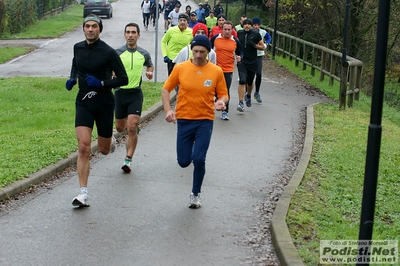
47, 172
281, 239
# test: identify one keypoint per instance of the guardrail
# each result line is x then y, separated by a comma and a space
328, 62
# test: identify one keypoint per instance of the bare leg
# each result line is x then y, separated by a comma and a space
83, 134
104, 144
241, 91
131, 124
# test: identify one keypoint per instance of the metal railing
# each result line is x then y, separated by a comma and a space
328, 62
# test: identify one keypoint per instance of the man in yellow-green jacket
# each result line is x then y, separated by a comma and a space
211, 21
174, 40
129, 98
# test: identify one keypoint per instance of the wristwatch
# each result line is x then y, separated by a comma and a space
102, 83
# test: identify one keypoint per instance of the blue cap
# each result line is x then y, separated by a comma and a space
257, 21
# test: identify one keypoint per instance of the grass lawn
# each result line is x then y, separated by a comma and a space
327, 204
53, 26
7, 53
50, 27
37, 114
37, 123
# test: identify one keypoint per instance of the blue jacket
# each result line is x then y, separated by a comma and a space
201, 14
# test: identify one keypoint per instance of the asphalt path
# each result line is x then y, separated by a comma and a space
142, 218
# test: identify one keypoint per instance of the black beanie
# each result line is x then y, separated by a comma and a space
201, 40
221, 16
183, 15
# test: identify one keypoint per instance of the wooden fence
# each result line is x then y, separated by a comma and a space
328, 62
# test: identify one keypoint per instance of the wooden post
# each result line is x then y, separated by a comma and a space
297, 54
332, 69
321, 74
284, 46
343, 87
313, 60
304, 56
358, 82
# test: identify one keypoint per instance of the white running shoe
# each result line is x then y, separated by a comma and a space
240, 107
127, 165
195, 201
224, 116
82, 200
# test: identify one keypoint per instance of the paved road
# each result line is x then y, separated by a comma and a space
142, 218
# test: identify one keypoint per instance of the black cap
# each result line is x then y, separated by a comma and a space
183, 15
221, 16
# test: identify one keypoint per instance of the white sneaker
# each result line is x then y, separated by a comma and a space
240, 107
195, 201
82, 200
224, 116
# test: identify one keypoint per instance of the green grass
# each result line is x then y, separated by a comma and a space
53, 26
37, 123
392, 92
37, 114
7, 53
327, 204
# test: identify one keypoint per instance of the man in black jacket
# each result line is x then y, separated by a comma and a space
250, 41
92, 65
207, 8
218, 9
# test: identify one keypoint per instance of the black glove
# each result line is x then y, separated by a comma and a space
92, 81
70, 83
166, 59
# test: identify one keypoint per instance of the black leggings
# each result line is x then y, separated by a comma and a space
228, 80
259, 73
146, 18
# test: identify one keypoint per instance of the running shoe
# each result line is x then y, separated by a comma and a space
247, 98
82, 200
127, 165
195, 201
257, 97
240, 107
114, 142
224, 116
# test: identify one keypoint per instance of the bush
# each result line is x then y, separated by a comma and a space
22, 13
2, 13
19, 14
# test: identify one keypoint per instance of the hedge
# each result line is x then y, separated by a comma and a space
19, 14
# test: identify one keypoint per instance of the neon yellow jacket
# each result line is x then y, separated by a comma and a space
174, 40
